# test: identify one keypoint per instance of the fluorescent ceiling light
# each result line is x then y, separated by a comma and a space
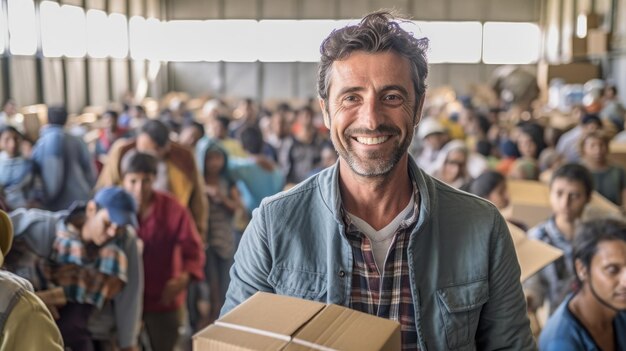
511, 43
97, 29
231, 40
22, 27
3, 29
118, 36
453, 42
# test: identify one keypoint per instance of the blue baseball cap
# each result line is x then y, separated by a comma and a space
120, 205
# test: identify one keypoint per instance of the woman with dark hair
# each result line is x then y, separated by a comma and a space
530, 141
594, 317
491, 185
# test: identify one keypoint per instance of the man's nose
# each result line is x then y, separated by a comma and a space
622, 279
371, 116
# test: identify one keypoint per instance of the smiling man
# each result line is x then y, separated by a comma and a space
374, 232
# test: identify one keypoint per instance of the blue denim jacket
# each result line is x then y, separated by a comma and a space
465, 278
66, 168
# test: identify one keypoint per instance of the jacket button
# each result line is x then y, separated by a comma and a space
342, 273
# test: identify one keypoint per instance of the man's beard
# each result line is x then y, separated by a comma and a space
376, 163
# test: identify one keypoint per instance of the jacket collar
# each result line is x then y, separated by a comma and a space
328, 183
51, 128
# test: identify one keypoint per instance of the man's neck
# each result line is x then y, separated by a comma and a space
595, 165
591, 312
376, 200
145, 210
566, 226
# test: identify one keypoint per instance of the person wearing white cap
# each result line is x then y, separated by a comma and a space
89, 251
434, 137
25, 322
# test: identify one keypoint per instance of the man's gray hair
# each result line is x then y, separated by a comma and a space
377, 32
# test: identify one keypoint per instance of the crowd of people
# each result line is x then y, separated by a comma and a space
132, 235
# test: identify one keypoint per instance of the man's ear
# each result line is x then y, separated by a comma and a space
324, 109
581, 270
418, 110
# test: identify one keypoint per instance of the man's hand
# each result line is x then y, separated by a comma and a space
173, 287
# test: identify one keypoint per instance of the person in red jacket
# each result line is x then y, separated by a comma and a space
173, 251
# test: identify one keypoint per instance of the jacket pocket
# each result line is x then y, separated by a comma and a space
460, 307
298, 283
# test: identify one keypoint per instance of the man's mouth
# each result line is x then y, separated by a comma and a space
372, 141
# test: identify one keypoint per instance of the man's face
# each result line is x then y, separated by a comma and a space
109, 121
279, 124
9, 143
595, 149
371, 111
189, 136
139, 185
214, 163
98, 227
146, 145
305, 118
568, 198
454, 166
608, 273
217, 129
10, 108
436, 140
526, 145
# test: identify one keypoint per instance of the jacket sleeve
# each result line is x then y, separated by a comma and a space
191, 247
504, 323
30, 327
49, 159
37, 228
253, 263
129, 302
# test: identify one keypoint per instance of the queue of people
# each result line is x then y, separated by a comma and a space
168, 221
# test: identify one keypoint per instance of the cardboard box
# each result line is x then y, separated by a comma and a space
571, 73
617, 153
597, 42
532, 255
530, 204
579, 46
272, 322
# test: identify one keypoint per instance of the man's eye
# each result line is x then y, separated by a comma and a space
612, 270
393, 99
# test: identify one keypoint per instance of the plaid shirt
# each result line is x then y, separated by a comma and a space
85, 280
387, 295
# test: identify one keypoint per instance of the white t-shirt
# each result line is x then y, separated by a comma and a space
381, 239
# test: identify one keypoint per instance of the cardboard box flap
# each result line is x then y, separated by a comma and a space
340, 328
530, 202
528, 192
271, 315
532, 255
216, 337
